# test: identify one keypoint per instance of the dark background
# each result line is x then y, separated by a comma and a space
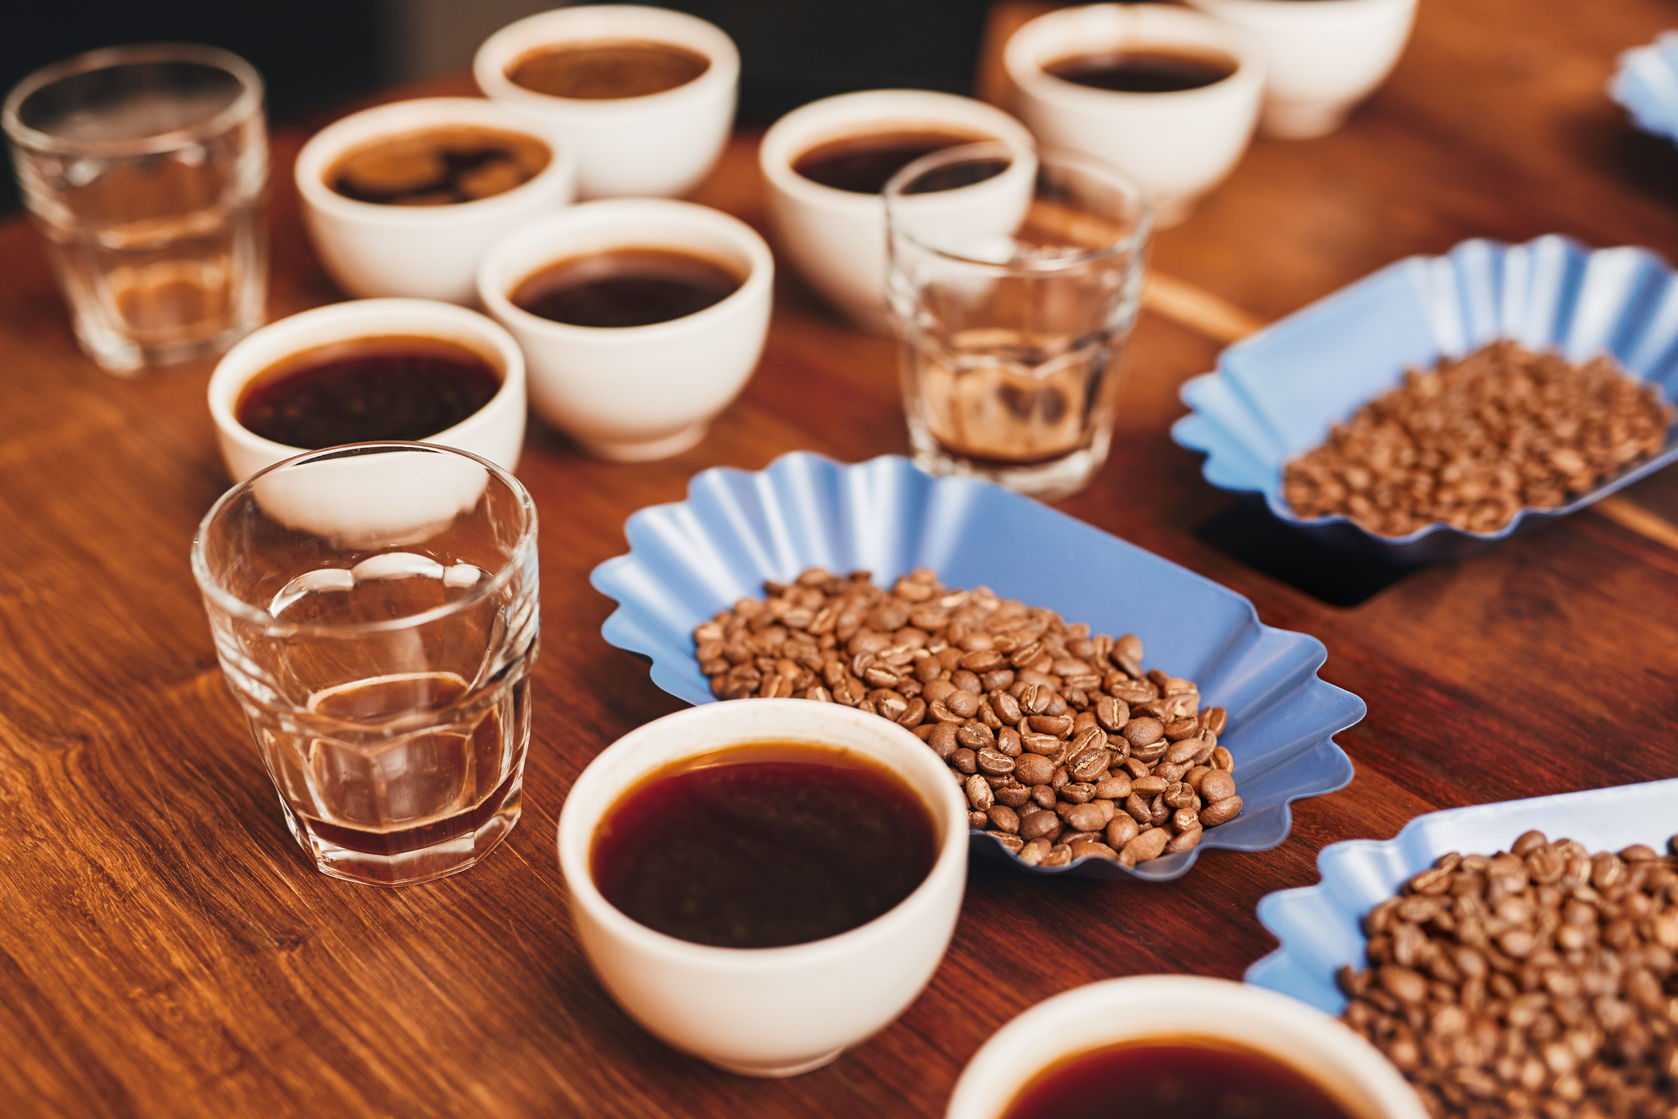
317, 55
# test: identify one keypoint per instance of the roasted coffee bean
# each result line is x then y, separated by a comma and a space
1147, 845
1009, 842
1476, 439
1215, 785
1039, 718
1516, 1028
1092, 849
1220, 811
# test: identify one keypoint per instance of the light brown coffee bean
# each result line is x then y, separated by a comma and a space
1147, 845
1013, 795
1089, 764
1186, 840
976, 736
1031, 854
1033, 769
964, 760
1116, 787
1121, 829
1009, 742
1150, 785
1038, 823
1085, 817
1111, 713
1043, 796
1058, 855
976, 819
1076, 792
1220, 811
1011, 843
1215, 785
1142, 732
994, 762
1092, 849
1184, 750
979, 795
1004, 818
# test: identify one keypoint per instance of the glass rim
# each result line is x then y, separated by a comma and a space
248, 99
236, 607
896, 201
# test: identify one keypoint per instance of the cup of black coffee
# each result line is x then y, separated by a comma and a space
405, 199
641, 319
764, 884
645, 95
826, 163
1168, 95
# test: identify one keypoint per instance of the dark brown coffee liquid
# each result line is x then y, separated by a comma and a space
438, 166
763, 845
864, 163
367, 388
625, 287
1177, 1079
607, 70
1143, 70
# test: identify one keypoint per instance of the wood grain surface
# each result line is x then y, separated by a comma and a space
166, 951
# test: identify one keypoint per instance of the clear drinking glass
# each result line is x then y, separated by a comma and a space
374, 608
1013, 311
146, 167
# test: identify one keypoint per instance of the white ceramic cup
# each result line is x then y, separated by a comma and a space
660, 144
494, 432
635, 393
1176, 1007
766, 1011
1322, 56
836, 239
1178, 145
426, 252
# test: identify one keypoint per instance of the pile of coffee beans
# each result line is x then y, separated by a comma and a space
1065, 746
1474, 441
1536, 983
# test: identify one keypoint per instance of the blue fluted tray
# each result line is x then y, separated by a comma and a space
689, 560
1646, 83
1320, 927
1278, 393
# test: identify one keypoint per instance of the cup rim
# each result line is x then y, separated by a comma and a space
1023, 57
896, 203
249, 99
781, 143
345, 133
225, 384
574, 853
502, 46
622, 212
237, 608
973, 1097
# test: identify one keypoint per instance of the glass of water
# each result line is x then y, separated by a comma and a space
146, 167
374, 609
1014, 311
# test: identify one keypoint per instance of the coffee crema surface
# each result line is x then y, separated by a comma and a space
438, 166
1143, 69
763, 845
606, 70
1175, 1078
863, 163
361, 389
631, 286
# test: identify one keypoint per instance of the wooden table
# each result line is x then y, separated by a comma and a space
166, 951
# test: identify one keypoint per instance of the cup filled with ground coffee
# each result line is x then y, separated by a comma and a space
641, 319
825, 165
405, 199
370, 370
1178, 1047
645, 95
766, 883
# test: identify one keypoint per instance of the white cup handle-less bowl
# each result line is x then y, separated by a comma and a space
768, 1012
660, 144
1322, 57
636, 393
1178, 145
1169, 1007
373, 250
836, 239
495, 431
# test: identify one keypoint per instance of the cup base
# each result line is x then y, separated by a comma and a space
123, 357
408, 868
648, 450
1297, 120
779, 1071
1046, 481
